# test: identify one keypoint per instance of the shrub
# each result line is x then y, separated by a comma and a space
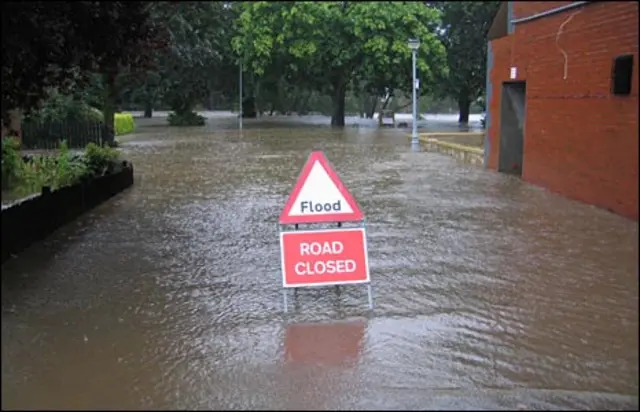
69, 168
57, 171
12, 162
95, 115
25, 177
100, 160
60, 107
123, 123
185, 119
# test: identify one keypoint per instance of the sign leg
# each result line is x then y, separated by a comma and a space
284, 299
370, 292
338, 286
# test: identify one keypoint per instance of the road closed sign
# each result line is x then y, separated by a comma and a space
329, 256
324, 257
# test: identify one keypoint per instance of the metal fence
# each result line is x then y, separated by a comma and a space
47, 134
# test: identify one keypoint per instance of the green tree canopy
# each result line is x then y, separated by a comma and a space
55, 44
464, 30
197, 61
200, 45
329, 44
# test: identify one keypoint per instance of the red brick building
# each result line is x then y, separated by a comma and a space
554, 115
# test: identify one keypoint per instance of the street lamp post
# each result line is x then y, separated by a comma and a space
413, 45
240, 96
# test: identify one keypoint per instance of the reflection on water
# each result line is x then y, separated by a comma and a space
490, 293
324, 343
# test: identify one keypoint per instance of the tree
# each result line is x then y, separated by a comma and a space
464, 30
333, 43
282, 87
197, 63
196, 59
57, 44
143, 88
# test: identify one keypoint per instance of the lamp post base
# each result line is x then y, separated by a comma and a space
415, 143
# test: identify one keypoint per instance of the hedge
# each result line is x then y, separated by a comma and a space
123, 123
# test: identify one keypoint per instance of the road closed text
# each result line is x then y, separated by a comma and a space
324, 257
322, 267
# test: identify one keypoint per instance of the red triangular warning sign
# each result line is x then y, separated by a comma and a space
319, 196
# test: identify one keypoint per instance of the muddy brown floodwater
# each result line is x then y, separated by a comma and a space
489, 292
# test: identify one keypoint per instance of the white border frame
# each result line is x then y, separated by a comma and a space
351, 229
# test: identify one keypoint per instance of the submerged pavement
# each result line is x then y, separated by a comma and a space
489, 292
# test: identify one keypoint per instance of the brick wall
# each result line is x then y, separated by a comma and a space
580, 140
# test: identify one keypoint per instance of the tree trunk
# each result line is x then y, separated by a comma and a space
372, 107
464, 105
295, 105
258, 100
304, 107
148, 109
339, 95
212, 101
386, 102
249, 108
108, 135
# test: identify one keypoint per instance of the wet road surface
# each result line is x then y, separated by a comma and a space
489, 293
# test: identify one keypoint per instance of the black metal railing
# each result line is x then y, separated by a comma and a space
47, 134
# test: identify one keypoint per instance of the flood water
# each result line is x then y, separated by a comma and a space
489, 293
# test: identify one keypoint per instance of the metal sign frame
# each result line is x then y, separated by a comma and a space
337, 286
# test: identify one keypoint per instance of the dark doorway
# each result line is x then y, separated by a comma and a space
512, 116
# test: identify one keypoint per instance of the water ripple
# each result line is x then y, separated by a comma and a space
490, 293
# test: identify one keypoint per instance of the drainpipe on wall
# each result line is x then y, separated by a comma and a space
510, 25
487, 102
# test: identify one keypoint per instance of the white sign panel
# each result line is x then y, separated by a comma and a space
319, 195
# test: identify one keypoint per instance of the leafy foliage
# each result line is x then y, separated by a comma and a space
297, 56
197, 62
326, 45
100, 160
56, 44
23, 176
64, 107
185, 119
11, 161
124, 123
465, 25
60, 108
199, 51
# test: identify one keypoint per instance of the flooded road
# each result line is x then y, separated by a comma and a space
489, 293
